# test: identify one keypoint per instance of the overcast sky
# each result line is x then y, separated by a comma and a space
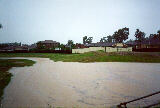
29, 21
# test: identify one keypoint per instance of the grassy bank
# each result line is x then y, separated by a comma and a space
98, 56
5, 65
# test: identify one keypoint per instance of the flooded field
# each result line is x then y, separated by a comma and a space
65, 84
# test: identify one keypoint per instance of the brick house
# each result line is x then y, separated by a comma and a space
47, 44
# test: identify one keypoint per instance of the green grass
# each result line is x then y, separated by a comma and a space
5, 65
98, 56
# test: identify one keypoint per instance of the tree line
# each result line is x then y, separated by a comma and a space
118, 36
121, 35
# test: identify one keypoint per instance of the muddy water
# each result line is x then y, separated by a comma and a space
64, 84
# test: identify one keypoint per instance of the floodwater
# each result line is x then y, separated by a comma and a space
68, 84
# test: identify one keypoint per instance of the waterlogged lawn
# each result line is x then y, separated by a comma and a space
5, 65
98, 56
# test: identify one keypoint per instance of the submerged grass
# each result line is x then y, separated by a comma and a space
5, 65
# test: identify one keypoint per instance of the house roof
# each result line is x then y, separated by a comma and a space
131, 43
100, 44
146, 42
8, 48
21, 47
13, 47
153, 42
48, 41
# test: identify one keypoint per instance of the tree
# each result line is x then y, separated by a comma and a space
84, 39
71, 44
121, 35
62, 46
40, 45
1, 26
158, 34
109, 39
155, 36
103, 39
140, 36
151, 36
87, 40
131, 40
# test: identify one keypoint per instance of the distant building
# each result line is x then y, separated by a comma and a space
7, 48
21, 48
100, 44
104, 46
131, 44
144, 44
4, 45
47, 44
15, 48
33, 46
79, 45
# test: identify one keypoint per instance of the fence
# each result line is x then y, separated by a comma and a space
147, 50
124, 105
106, 49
